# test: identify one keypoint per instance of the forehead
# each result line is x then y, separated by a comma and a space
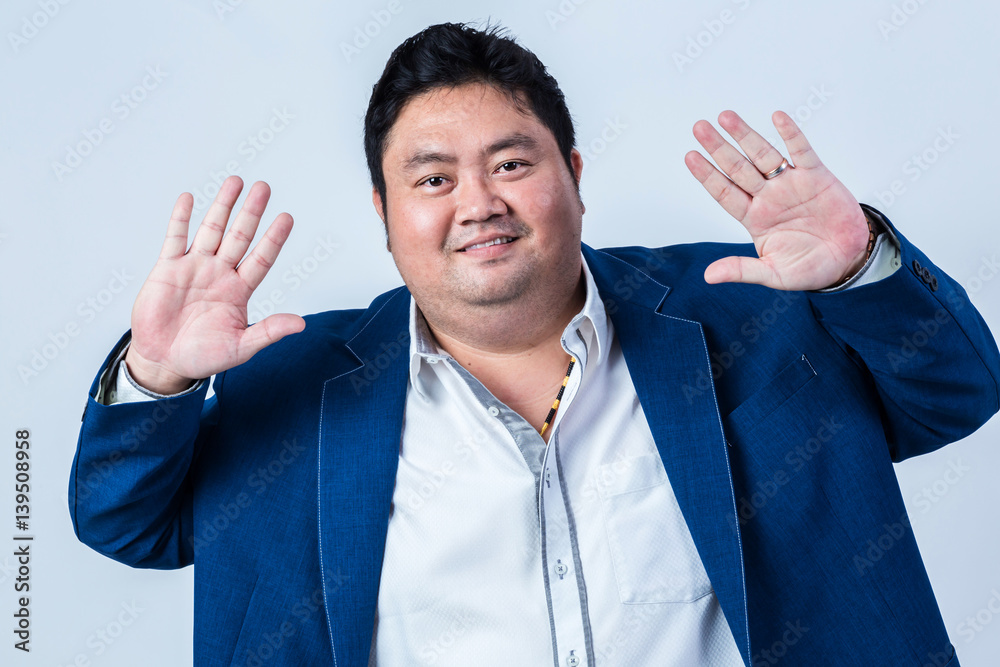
471, 116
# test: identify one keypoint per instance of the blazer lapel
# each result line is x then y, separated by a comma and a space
359, 436
665, 354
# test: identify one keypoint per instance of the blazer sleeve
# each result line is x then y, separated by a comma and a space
933, 359
130, 492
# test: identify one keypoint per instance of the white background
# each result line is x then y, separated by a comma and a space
879, 96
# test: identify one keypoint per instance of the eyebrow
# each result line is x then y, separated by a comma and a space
517, 140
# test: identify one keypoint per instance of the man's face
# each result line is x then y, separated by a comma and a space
464, 169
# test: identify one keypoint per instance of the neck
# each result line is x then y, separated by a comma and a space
518, 356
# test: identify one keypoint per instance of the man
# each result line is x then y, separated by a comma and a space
532, 454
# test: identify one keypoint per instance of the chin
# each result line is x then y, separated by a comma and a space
500, 295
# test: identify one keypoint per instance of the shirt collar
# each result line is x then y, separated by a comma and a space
591, 323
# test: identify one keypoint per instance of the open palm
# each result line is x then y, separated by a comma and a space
808, 229
189, 320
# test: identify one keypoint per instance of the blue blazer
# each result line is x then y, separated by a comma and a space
777, 415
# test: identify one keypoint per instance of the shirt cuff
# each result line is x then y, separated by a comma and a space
121, 388
884, 261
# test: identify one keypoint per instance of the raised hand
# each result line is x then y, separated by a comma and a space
809, 230
189, 320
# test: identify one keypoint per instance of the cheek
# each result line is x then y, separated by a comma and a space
417, 232
533, 205
418, 225
548, 208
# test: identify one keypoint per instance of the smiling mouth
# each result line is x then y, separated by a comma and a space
498, 241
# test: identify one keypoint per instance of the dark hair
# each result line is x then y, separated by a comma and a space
453, 54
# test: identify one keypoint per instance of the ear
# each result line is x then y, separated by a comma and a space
377, 202
380, 209
577, 161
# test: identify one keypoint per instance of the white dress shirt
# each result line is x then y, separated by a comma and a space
503, 549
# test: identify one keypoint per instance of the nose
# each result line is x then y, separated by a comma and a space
478, 201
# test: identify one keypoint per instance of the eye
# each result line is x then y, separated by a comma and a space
510, 166
434, 181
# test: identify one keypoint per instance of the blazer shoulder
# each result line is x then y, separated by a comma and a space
673, 264
680, 270
319, 348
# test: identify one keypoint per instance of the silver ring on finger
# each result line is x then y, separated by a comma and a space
777, 171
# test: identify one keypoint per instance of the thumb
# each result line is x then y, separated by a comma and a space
741, 270
269, 330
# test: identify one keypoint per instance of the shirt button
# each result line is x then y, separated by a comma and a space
572, 660
432, 360
561, 569
494, 411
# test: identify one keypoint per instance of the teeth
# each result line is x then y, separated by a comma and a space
502, 239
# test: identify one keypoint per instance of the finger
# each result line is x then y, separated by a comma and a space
211, 229
269, 330
260, 260
236, 241
741, 270
800, 152
764, 156
733, 199
732, 162
175, 244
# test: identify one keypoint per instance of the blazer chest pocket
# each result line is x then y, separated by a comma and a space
776, 391
654, 556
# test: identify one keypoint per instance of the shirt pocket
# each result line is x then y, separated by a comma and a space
654, 557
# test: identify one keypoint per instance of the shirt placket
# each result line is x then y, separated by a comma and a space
564, 587
564, 584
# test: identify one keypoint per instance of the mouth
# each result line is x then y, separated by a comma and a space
500, 240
